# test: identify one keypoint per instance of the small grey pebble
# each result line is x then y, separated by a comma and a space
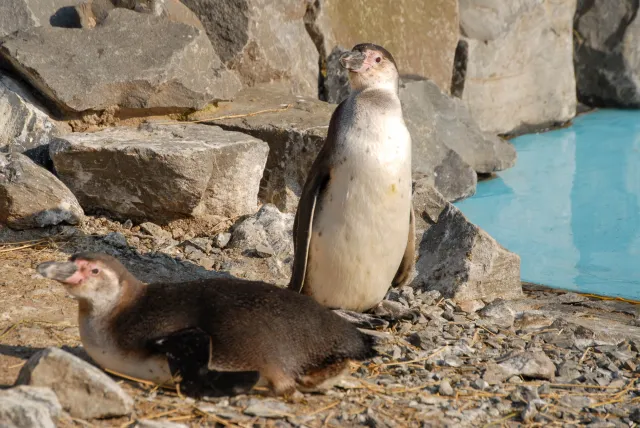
445, 389
545, 388
480, 384
221, 239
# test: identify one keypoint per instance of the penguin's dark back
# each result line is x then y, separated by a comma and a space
255, 319
294, 324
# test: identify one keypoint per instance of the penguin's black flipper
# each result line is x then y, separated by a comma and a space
187, 353
310, 200
405, 270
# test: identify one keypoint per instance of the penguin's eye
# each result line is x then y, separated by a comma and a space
378, 59
95, 271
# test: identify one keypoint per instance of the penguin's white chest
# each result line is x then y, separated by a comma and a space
104, 351
360, 231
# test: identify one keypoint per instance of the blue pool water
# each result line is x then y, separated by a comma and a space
571, 206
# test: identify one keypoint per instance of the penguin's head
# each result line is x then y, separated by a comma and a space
95, 278
370, 65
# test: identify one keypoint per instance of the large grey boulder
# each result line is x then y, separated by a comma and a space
30, 196
422, 38
162, 172
83, 390
25, 127
295, 129
464, 263
431, 158
133, 61
607, 53
517, 75
451, 124
29, 406
262, 41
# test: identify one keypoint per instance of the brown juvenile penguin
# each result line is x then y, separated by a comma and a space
220, 335
354, 227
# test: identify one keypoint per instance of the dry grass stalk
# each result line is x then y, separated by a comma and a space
231, 116
499, 421
322, 409
417, 360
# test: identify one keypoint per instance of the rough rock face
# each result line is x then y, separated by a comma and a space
463, 262
519, 74
295, 129
23, 14
421, 38
428, 203
83, 390
263, 41
489, 19
607, 53
132, 61
30, 196
24, 126
452, 125
29, 406
431, 157
162, 172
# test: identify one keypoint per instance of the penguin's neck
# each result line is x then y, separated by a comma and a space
390, 86
130, 290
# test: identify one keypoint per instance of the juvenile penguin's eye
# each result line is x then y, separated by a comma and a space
378, 59
95, 271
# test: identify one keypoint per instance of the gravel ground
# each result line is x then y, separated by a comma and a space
552, 358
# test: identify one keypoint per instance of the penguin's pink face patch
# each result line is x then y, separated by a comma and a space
85, 269
360, 62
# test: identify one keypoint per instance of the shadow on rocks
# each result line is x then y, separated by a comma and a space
148, 267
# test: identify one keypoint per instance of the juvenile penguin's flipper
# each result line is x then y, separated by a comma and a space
403, 275
303, 227
188, 353
317, 181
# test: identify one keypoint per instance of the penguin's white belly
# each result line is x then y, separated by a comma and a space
108, 356
360, 233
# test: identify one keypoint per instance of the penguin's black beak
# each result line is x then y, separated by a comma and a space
59, 271
353, 61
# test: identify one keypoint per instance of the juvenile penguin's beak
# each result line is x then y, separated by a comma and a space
59, 271
354, 61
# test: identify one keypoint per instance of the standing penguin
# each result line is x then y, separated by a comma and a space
221, 336
354, 227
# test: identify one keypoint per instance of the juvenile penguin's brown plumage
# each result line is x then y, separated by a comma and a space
220, 335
